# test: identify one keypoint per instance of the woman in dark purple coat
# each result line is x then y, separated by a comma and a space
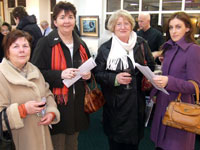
181, 63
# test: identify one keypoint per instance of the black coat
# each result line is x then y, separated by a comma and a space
73, 118
123, 112
29, 24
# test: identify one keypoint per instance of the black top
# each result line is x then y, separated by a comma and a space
29, 24
153, 37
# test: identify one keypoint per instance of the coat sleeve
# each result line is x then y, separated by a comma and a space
192, 73
102, 75
42, 59
15, 121
51, 104
149, 57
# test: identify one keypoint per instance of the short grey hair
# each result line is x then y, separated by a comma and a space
44, 22
146, 15
114, 17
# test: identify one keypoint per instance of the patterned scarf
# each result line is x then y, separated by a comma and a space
58, 62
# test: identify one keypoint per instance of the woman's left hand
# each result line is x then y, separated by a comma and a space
161, 81
47, 119
86, 76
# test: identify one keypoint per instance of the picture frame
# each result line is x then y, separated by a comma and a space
89, 26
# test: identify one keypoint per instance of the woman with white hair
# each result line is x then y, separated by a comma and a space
123, 113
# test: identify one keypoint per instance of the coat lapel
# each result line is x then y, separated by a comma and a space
168, 59
15, 78
76, 43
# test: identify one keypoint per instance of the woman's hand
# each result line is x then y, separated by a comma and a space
47, 119
156, 54
161, 81
123, 78
69, 73
86, 76
33, 107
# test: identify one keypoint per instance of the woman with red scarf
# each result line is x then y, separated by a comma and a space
58, 56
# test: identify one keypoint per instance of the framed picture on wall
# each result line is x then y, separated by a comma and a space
89, 26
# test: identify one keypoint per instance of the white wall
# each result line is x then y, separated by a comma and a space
44, 9
90, 8
32, 7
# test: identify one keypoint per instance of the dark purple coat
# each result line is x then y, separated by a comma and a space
181, 63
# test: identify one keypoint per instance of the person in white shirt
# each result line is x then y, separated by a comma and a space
46, 28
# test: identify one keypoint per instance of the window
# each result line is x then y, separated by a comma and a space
131, 5
160, 10
21, 3
154, 20
192, 4
172, 5
113, 5
11, 3
150, 5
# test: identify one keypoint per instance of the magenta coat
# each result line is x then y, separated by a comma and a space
181, 63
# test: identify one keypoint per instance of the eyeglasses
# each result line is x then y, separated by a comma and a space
125, 25
4, 30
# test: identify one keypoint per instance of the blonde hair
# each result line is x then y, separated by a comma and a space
114, 17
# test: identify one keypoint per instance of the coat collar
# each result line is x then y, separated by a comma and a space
181, 43
15, 77
54, 38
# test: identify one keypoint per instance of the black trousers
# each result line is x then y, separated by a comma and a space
121, 146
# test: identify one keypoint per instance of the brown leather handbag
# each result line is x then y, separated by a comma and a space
94, 99
146, 84
184, 116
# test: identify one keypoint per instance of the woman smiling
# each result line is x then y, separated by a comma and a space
22, 90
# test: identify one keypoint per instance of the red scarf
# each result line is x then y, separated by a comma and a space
58, 62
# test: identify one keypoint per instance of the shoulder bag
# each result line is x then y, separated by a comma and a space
184, 116
6, 139
94, 99
146, 85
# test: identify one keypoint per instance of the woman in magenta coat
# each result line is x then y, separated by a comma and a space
181, 63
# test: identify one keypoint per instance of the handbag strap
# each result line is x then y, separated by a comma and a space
92, 83
196, 91
3, 113
142, 47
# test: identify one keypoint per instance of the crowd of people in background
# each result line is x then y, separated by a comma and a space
35, 59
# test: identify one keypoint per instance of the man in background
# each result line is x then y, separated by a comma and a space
153, 36
46, 28
27, 23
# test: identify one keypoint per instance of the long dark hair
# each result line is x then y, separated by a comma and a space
189, 36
